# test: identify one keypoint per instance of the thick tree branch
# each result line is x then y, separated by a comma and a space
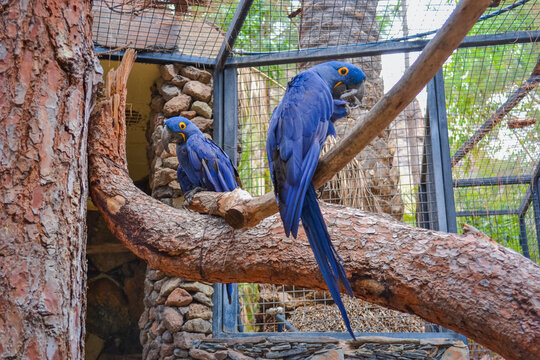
249, 213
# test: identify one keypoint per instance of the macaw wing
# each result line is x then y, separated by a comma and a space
298, 128
212, 164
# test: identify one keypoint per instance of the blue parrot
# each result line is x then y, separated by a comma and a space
202, 164
299, 125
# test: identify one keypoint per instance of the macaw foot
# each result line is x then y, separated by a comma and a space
188, 197
353, 95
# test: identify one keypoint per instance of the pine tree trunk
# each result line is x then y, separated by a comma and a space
47, 76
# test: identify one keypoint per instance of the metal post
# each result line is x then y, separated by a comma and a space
373, 49
219, 99
494, 181
230, 111
426, 214
441, 169
217, 313
523, 236
440, 148
535, 187
225, 136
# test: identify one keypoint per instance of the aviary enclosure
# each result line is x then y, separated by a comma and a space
464, 156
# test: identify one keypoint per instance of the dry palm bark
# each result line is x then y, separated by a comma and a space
46, 89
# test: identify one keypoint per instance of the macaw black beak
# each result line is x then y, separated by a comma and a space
353, 94
168, 136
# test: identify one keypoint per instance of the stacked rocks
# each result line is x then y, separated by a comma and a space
326, 348
176, 313
271, 347
185, 91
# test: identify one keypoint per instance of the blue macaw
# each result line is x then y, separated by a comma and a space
299, 125
202, 164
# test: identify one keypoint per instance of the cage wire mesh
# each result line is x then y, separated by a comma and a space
189, 27
478, 82
273, 26
197, 27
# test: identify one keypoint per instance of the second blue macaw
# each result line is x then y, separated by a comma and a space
299, 125
202, 164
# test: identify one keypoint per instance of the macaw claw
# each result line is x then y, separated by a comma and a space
188, 196
353, 94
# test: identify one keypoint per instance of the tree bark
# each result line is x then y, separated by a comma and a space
484, 291
463, 282
46, 88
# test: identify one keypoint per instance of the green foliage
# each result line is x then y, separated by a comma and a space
249, 306
387, 17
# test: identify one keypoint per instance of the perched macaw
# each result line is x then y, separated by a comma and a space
298, 128
202, 164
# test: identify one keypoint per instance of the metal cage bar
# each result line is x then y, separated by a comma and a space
440, 149
314, 54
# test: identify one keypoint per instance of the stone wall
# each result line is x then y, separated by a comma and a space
326, 348
181, 90
176, 312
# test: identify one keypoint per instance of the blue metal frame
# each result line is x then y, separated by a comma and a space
225, 136
151, 57
530, 195
230, 112
493, 181
535, 190
484, 212
440, 152
523, 241
312, 54
373, 49
346, 336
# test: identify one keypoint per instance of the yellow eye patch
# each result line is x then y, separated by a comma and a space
182, 126
343, 71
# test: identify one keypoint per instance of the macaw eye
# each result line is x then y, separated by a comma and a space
182, 126
343, 71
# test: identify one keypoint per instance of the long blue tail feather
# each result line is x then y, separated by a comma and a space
330, 263
229, 292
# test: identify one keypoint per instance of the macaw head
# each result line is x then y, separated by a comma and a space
177, 130
345, 80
